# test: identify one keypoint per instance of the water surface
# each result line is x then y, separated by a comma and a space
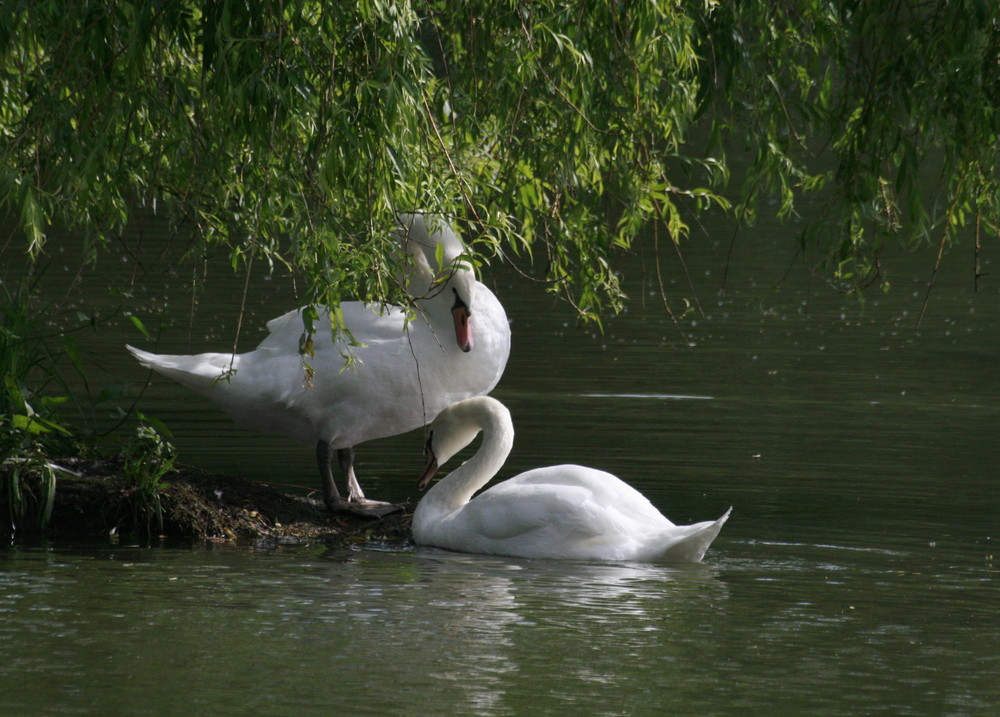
856, 575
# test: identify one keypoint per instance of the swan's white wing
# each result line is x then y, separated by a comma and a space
560, 511
365, 322
602, 488
506, 511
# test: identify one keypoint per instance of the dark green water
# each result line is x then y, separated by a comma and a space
856, 576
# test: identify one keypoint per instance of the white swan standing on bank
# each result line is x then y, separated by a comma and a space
565, 511
456, 346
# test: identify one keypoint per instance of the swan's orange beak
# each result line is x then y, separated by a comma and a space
430, 469
463, 324
463, 327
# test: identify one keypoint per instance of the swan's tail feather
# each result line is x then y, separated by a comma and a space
692, 545
199, 373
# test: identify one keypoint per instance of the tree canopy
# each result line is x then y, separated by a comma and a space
292, 131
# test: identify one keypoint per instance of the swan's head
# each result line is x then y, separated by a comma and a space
441, 269
463, 286
456, 427
427, 232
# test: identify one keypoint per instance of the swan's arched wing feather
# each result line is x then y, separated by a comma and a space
561, 510
508, 512
603, 488
366, 324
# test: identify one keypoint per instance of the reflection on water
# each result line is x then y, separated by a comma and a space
426, 632
484, 636
438, 632
662, 396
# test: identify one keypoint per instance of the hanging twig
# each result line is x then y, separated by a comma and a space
741, 215
940, 254
976, 269
659, 279
239, 318
680, 258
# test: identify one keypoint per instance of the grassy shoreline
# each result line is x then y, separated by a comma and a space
93, 498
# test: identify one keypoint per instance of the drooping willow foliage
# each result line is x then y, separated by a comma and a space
292, 131
888, 110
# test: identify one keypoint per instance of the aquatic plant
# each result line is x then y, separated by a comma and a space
29, 428
28, 486
147, 459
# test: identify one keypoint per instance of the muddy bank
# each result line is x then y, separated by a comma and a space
97, 502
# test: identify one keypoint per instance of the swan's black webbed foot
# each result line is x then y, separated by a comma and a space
365, 507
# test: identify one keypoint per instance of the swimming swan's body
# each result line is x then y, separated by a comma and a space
564, 511
404, 376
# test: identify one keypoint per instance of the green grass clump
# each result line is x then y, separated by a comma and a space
146, 460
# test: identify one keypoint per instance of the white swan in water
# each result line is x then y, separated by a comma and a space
456, 346
565, 511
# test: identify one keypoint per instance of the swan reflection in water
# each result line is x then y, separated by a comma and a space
477, 625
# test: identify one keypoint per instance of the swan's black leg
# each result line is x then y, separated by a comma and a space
324, 457
346, 458
356, 502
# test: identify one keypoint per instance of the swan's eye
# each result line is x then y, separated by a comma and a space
459, 304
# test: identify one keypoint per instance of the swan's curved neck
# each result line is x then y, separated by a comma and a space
457, 488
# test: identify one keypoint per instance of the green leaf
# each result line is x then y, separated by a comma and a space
28, 423
136, 322
157, 425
